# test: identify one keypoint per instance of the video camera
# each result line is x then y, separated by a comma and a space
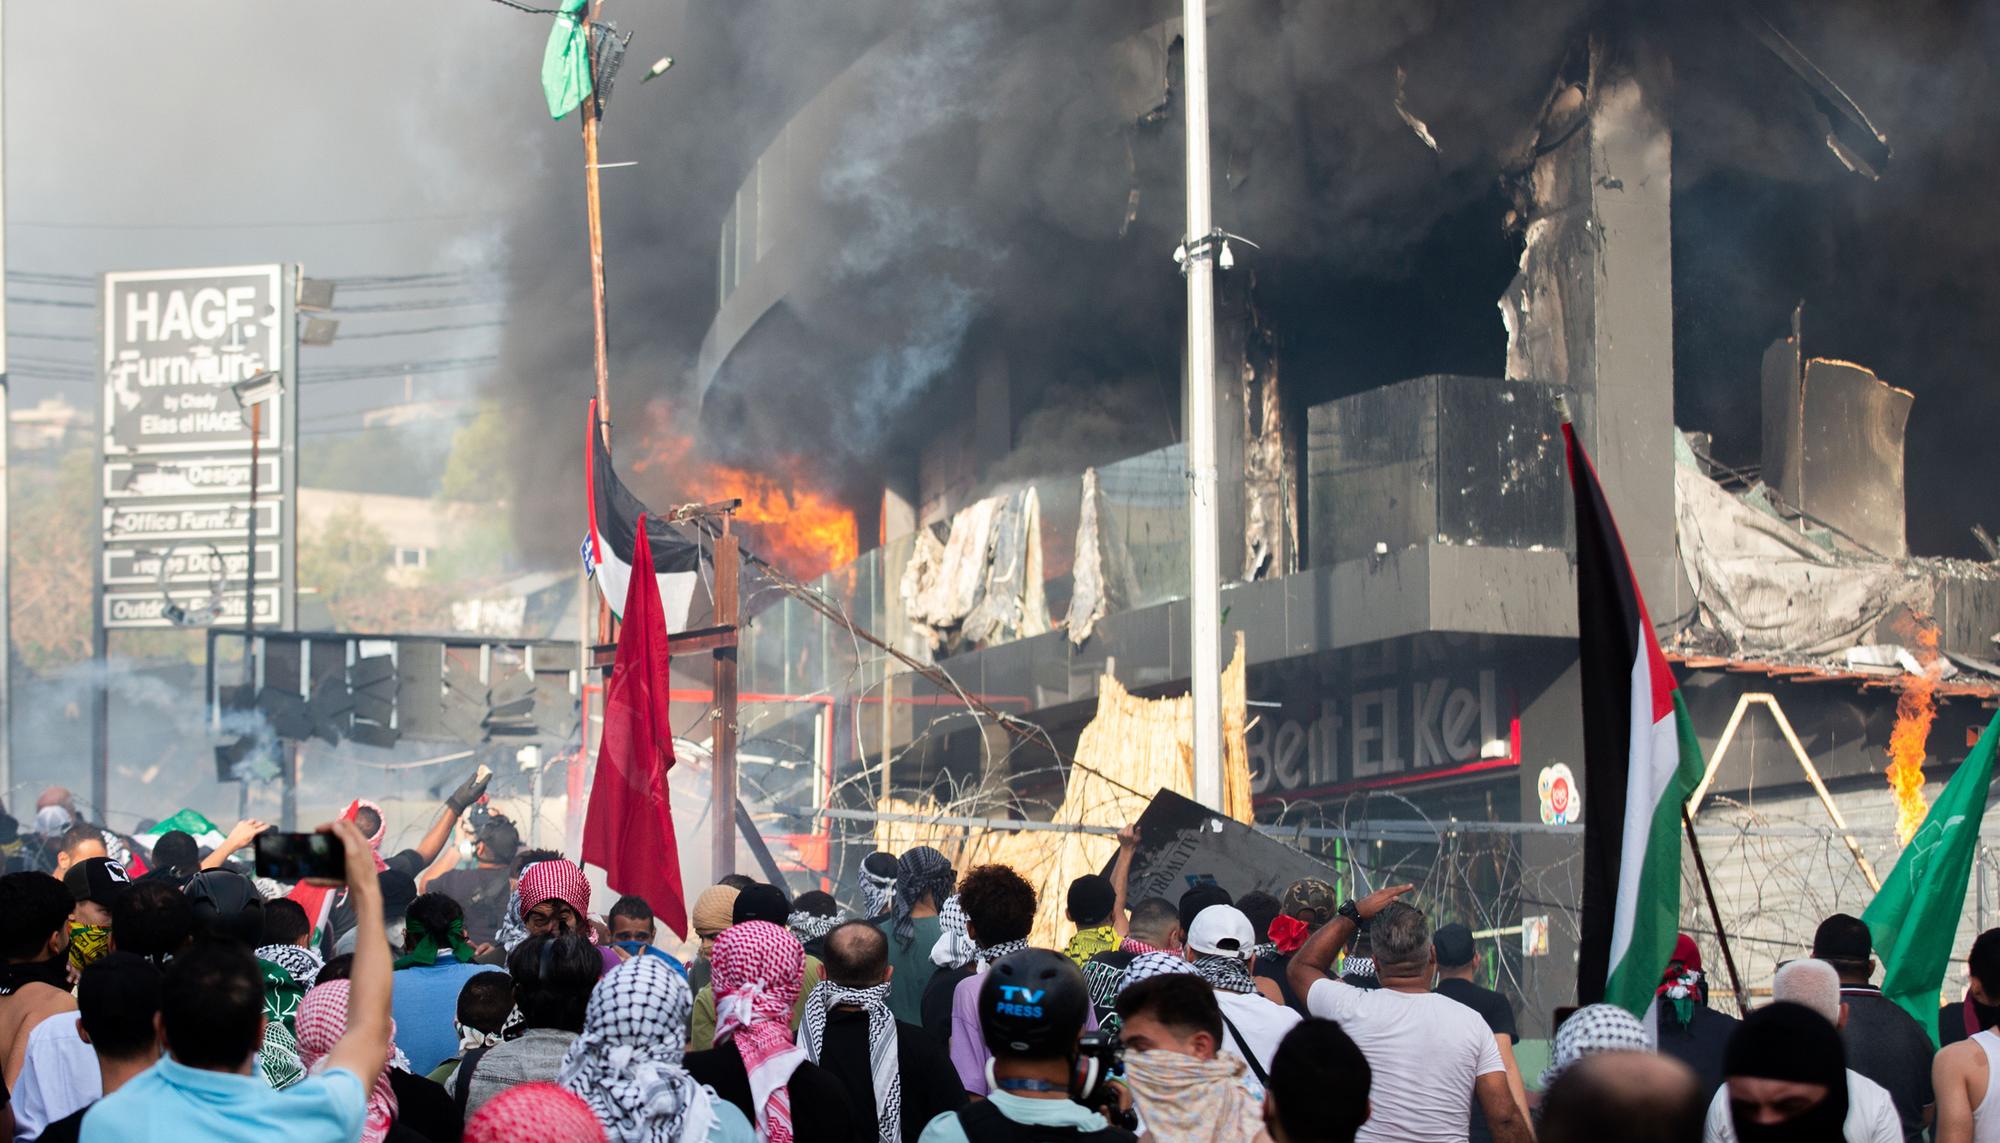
1100, 1055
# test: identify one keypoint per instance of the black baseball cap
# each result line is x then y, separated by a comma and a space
1843, 937
760, 902
1454, 945
97, 879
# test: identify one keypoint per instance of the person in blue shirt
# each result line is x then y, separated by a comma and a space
212, 1022
434, 967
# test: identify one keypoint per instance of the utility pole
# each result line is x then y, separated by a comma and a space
1204, 563
6, 520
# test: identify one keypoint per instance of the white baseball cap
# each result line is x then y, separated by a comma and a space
1222, 930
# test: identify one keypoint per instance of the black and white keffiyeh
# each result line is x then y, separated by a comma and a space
303, 963
627, 1063
921, 872
882, 1061
878, 883
954, 949
1591, 1029
810, 927
989, 953
1225, 973
1153, 964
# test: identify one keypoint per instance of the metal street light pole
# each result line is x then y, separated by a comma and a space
1204, 563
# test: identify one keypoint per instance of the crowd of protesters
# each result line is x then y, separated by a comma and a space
435, 994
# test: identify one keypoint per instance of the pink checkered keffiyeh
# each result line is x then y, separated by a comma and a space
756, 968
322, 1021
538, 1111
557, 880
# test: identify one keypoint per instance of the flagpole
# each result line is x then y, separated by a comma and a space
590, 110
1204, 562
1715, 915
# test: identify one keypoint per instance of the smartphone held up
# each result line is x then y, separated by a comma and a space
300, 857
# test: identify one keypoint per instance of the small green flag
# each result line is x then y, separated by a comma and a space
566, 62
1914, 919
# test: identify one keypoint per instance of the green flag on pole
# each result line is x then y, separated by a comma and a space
566, 62
1914, 918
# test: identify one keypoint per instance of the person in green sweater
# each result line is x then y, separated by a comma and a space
924, 879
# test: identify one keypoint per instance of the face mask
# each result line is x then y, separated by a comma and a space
1826, 1120
1988, 1015
88, 944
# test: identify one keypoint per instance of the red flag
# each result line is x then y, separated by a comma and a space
629, 829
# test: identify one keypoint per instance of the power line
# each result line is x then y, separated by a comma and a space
347, 337
428, 304
301, 224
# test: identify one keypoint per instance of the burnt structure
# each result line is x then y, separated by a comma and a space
1396, 530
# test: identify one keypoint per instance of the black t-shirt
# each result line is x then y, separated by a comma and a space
1951, 1024
482, 893
425, 1108
820, 1111
1885, 1044
1273, 968
931, 1085
1700, 1045
937, 1002
1491, 1006
68, 1129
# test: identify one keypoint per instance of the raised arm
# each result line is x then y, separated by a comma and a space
243, 834
1314, 960
440, 832
364, 1050
1121, 872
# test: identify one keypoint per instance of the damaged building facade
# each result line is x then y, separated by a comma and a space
1396, 544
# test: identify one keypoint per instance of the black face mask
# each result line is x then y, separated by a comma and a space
1988, 1015
1825, 1123
53, 971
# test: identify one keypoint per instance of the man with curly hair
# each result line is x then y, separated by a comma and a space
999, 907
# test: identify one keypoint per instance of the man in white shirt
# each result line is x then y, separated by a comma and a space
1431, 1056
1870, 1113
1254, 1023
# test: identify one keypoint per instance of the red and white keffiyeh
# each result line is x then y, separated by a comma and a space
556, 880
322, 1021
755, 969
539, 1111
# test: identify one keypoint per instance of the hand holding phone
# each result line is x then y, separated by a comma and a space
301, 857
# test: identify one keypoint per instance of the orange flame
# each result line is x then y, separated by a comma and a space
1916, 709
802, 529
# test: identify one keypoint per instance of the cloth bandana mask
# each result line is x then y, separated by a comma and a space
883, 1067
627, 1064
88, 944
425, 954
1190, 1100
1684, 986
558, 880
756, 968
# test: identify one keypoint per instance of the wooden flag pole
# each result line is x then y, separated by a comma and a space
1715, 915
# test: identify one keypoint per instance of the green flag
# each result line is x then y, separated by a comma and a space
566, 62
1914, 919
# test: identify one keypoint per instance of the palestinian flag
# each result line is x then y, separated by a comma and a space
614, 527
1640, 764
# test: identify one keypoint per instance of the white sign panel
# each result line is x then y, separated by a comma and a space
178, 475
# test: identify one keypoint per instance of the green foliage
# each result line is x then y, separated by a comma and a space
476, 469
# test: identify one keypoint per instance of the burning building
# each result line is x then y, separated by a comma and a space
940, 291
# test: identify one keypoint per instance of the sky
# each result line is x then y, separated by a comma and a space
360, 138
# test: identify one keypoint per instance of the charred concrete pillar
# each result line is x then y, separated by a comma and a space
1592, 308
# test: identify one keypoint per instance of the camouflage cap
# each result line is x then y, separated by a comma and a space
1310, 900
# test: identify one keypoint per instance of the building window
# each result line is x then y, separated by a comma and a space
417, 558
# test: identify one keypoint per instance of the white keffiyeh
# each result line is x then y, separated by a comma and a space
953, 948
1154, 964
627, 1063
990, 953
882, 1062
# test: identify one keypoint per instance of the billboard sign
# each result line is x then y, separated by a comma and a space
177, 471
